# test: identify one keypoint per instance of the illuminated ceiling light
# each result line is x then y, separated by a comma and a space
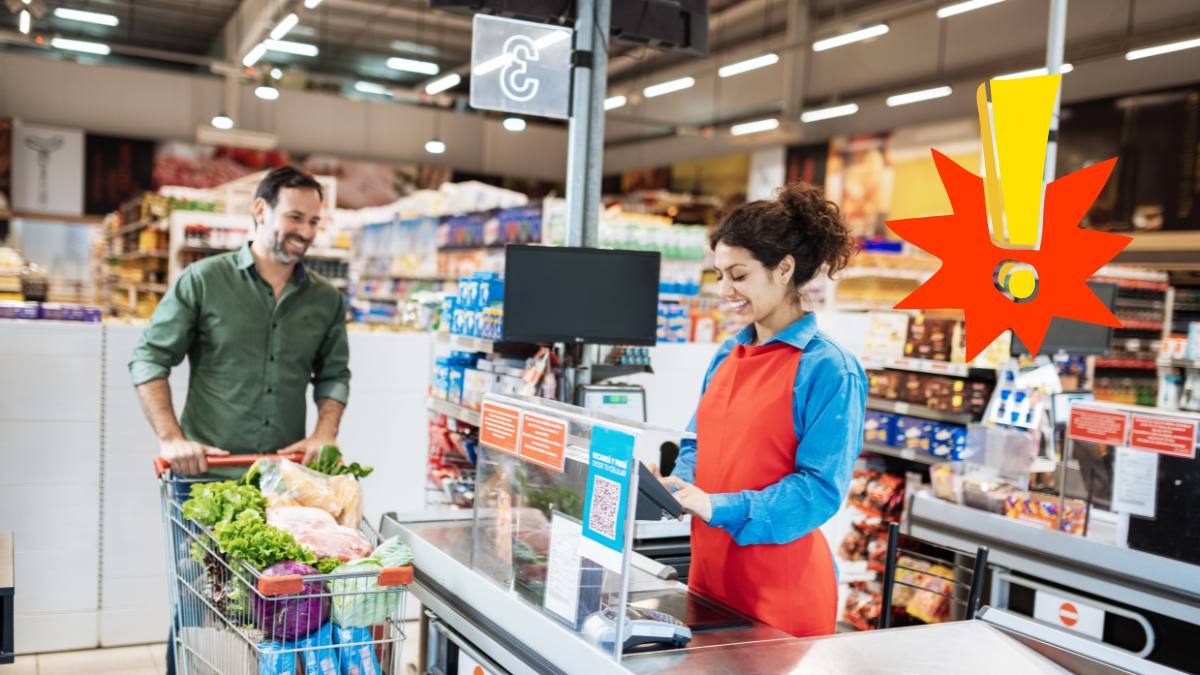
755, 127
311, 4
222, 121
1145, 52
254, 54
414, 48
442, 84
288, 23
514, 124
289, 47
828, 113
81, 46
413, 66
372, 88
86, 17
1036, 72
748, 65
275, 72
964, 7
266, 92
23, 22
851, 37
669, 86
435, 147
918, 96
614, 102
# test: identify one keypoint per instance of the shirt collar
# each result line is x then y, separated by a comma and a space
245, 260
798, 334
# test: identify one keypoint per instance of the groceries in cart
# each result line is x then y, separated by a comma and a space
283, 564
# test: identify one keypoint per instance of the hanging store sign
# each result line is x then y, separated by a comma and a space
520, 67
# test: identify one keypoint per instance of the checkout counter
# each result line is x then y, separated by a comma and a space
542, 576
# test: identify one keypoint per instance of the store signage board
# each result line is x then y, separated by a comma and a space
500, 427
1098, 426
520, 67
1069, 614
1165, 435
543, 441
605, 506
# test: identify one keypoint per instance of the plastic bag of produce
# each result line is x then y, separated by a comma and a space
286, 483
356, 659
360, 602
317, 530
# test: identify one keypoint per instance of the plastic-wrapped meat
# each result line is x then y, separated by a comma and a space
317, 530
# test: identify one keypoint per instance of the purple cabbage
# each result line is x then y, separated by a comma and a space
291, 617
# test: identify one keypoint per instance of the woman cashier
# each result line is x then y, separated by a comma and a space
780, 421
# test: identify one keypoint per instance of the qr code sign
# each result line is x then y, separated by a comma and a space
606, 501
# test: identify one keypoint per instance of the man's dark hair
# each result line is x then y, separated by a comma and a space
285, 177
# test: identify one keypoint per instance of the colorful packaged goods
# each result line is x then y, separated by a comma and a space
1042, 510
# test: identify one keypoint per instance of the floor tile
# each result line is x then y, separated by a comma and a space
115, 660
23, 665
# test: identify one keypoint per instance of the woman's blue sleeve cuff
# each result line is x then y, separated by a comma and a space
729, 510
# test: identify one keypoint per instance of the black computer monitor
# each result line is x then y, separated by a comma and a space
580, 295
1076, 337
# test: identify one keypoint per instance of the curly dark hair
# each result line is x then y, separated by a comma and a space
799, 222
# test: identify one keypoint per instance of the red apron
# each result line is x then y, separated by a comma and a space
746, 441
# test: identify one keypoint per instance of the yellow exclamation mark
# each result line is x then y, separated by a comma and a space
1015, 125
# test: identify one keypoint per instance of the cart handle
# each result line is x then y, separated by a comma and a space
292, 584
161, 464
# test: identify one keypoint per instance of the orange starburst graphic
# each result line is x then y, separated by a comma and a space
1068, 255
1013, 254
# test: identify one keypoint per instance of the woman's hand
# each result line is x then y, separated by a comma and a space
693, 500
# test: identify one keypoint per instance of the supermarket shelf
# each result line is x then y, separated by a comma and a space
928, 366
902, 453
458, 412
883, 273
1126, 364
205, 249
902, 408
409, 277
1139, 324
380, 298
1181, 363
468, 343
132, 227
144, 288
142, 255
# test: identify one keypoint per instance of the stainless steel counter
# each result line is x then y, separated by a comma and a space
518, 637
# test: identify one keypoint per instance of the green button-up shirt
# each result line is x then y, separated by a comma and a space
250, 358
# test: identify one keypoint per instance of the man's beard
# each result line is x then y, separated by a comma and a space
278, 246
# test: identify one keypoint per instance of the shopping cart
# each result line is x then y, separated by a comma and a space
228, 618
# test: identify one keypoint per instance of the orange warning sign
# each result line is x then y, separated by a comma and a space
1099, 426
499, 426
1174, 437
543, 441
1068, 614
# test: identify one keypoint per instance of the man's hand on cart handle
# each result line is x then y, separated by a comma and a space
309, 447
188, 457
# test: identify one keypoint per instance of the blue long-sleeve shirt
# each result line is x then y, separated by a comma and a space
828, 405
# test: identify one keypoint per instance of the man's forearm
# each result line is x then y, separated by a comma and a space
155, 396
329, 418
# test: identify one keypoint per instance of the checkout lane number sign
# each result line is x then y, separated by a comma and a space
520, 67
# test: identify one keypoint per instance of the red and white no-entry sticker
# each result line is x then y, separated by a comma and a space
1067, 614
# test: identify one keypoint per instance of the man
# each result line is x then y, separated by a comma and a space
257, 328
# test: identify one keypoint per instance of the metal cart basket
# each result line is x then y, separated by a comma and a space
228, 618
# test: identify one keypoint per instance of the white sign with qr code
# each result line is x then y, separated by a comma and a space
605, 507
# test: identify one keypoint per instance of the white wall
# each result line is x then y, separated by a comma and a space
157, 105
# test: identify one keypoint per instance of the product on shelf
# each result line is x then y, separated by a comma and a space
877, 494
930, 338
863, 605
886, 336
1043, 510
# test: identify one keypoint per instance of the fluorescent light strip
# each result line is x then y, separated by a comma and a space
86, 17
755, 127
828, 113
748, 65
435, 147
1036, 72
289, 47
514, 124
669, 87
289, 22
1146, 52
311, 4
80, 46
448, 82
266, 92
413, 66
850, 38
918, 96
614, 102
254, 55
964, 7
372, 88
23, 22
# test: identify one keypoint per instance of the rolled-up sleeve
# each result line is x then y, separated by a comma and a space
331, 368
830, 442
169, 334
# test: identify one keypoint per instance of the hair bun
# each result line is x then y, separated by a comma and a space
800, 200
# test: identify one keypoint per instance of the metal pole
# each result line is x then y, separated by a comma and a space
1056, 39
585, 151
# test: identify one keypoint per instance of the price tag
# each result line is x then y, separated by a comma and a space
901, 408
